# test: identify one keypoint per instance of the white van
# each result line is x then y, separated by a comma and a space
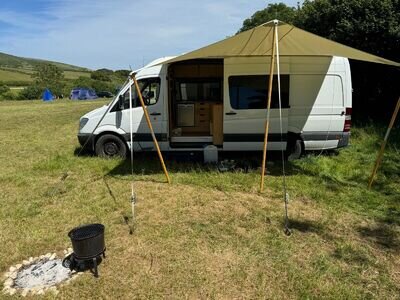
222, 102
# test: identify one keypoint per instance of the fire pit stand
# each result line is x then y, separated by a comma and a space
88, 245
75, 263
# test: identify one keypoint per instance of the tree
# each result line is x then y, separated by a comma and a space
278, 11
101, 75
4, 89
122, 73
369, 25
31, 92
5, 93
49, 76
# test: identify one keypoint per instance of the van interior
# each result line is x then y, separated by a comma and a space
196, 103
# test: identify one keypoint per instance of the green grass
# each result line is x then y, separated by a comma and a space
75, 74
12, 75
208, 234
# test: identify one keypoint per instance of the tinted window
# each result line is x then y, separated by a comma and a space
203, 90
250, 92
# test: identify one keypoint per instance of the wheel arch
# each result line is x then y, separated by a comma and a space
293, 136
291, 142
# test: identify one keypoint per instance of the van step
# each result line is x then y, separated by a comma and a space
189, 145
191, 139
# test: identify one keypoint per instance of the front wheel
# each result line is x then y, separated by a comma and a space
109, 145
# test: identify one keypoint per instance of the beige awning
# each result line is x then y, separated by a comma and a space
292, 42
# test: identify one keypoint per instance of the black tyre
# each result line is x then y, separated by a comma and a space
109, 145
295, 149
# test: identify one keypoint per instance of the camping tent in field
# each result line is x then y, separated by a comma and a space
47, 95
82, 94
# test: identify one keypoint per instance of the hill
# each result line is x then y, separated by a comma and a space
15, 62
17, 71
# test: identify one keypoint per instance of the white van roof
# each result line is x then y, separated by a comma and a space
154, 66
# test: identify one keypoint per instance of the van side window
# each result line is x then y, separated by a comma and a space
202, 89
250, 91
150, 89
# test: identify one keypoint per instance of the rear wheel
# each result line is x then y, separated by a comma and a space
295, 148
109, 145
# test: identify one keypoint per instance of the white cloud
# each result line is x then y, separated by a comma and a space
120, 33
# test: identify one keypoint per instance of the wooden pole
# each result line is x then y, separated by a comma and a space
271, 77
380, 154
146, 114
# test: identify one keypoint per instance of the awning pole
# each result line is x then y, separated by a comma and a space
146, 114
271, 77
380, 154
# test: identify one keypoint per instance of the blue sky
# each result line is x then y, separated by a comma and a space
117, 33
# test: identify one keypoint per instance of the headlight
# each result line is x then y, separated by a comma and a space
83, 122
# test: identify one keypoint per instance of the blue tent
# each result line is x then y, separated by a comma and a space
82, 94
47, 95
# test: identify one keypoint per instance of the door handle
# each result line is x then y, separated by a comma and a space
155, 114
231, 113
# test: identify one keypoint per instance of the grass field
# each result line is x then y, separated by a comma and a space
208, 234
7, 75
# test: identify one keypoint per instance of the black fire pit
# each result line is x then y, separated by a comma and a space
88, 245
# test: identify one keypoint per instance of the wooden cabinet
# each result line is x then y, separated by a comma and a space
202, 116
217, 124
208, 120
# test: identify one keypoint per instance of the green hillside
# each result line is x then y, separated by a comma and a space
17, 71
14, 62
16, 74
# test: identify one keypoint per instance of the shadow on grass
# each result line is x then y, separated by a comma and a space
79, 151
308, 226
147, 163
381, 235
392, 216
351, 255
305, 226
124, 217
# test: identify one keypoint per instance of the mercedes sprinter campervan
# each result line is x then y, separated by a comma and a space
223, 102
